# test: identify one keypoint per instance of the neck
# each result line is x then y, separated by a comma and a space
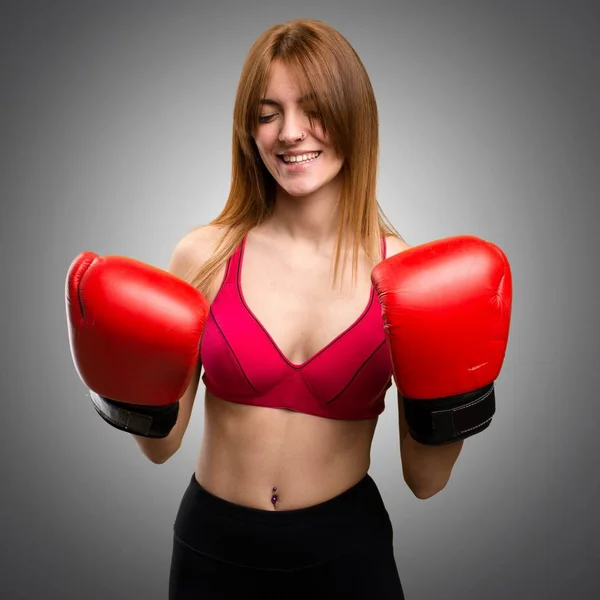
311, 219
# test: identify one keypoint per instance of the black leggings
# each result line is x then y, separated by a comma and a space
341, 548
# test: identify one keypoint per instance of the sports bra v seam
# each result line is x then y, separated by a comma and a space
345, 379
238, 283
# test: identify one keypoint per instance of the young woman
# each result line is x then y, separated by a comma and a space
275, 300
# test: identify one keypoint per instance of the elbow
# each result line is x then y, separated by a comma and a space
156, 451
424, 490
159, 459
162, 457
425, 493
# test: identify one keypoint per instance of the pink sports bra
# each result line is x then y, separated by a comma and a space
346, 379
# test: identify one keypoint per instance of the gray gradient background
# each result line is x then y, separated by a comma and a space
116, 132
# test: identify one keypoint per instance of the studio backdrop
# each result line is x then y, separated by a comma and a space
116, 138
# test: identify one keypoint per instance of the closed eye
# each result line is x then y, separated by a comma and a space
313, 115
266, 118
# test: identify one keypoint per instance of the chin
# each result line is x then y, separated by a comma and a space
305, 188
298, 191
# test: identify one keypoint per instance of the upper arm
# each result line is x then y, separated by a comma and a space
430, 467
394, 246
188, 255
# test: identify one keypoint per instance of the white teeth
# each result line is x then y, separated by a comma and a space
300, 158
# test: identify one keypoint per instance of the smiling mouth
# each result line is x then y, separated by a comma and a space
300, 159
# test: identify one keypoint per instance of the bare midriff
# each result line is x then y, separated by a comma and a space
277, 459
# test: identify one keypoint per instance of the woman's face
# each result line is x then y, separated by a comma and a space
297, 154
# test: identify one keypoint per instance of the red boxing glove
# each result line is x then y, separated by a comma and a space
134, 332
446, 307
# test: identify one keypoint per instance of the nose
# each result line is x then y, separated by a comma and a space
292, 130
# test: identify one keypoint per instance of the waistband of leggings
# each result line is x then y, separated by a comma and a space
282, 540
363, 493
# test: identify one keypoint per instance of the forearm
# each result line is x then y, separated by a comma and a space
156, 429
159, 450
427, 469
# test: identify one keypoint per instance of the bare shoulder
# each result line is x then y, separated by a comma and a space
194, 249
395, 245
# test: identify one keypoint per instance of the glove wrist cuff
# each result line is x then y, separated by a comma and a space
441, 421
145, 421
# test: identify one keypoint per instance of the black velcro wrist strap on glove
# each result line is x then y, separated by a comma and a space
145, 421
445, 420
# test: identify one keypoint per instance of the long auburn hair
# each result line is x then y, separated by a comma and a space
328, 69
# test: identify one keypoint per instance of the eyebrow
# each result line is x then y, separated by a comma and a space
270, 101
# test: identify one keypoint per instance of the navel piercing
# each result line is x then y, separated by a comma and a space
274, 497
